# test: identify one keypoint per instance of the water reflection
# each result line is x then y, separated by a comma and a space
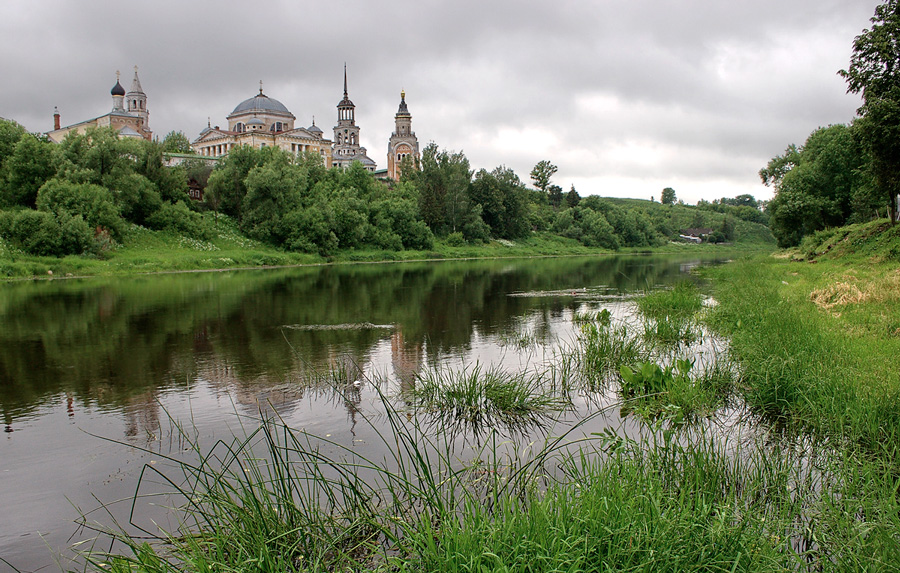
119, 343
126, 358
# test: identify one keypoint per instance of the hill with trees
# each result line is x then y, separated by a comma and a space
84, 196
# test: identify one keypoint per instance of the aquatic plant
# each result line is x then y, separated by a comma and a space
477, 399
680, 302
603, 348
671, 330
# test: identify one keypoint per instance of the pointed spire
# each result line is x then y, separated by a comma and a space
136, 83
345, 80
260, 87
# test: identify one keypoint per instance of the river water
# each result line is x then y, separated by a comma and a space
102, 377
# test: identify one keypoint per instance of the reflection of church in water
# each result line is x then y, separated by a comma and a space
336, 376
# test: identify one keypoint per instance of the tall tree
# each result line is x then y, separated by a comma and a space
443, 185
817, 185
542, 174
555, 195
27, 168
874, 71
668, 196
572, 197
176, 142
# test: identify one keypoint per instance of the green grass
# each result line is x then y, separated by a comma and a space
603, 348
667, 500
477, 400
146, 251
832, 372
670, 315
681, 301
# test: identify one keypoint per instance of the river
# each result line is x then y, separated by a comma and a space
101, 377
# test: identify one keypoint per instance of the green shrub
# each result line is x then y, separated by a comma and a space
179, 219
46, 234
93, 203
455, 240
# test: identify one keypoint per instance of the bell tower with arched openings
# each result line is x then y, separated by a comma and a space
346, 135
403, 141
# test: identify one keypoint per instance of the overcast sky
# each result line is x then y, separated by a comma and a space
625, 97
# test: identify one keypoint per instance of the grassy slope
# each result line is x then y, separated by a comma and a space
819, 341
683, 217
153, 251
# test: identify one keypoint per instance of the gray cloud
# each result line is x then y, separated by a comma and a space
624, 97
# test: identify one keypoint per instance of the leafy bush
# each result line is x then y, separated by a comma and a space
456, 239
46, 234
310, 231
94, 204
179, 219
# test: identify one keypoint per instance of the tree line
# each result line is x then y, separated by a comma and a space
84, 194
850, 173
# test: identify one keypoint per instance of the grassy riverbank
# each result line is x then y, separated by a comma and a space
146, 251
814, 489
817, 331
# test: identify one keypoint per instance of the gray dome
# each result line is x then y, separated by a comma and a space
314, 129
260, 102
256, 121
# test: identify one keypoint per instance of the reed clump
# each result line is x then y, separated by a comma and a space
476, 399
667, 499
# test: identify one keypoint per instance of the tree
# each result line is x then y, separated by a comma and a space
502, 198
93, 203
10, 134
27, 168
542, 173
176, 142
668, 196
874, 71
228, 180
818, 185
572, 197
443, 184
555, 195
273, 190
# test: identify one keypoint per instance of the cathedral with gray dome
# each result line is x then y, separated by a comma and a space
262, 121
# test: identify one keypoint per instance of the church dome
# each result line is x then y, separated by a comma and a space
314, 128
260, 103
117, 89
256, 121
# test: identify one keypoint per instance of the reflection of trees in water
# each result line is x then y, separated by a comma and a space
120, 342
406, 360
141, 414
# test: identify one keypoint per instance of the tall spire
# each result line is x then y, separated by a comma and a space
345, 80
136, 83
